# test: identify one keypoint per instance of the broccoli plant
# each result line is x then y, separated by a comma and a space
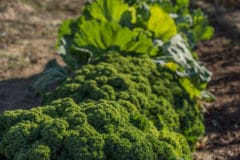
129, 88
116, 107
136, 29
191, 22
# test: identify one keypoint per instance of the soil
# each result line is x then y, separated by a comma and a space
221, 56
28, 31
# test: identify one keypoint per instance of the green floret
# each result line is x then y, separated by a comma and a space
129, 89
37, 151
130, 144
151, 89
107, 110
84, 142
106, 116
176, 141
103, 130
18, 136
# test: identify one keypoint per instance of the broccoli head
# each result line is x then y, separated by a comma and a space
117, 107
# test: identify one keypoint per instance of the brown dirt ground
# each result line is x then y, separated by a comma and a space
221, 56
28, 31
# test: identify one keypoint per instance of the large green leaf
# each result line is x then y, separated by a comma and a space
106, 36
178, 58
192, 23
53, 74
119, 11
94, 38
106, 10
161, 24
201, 28
101, 29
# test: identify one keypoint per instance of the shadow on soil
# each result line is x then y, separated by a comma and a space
2, 157
236, 158
224, 119
18, 94
230, 77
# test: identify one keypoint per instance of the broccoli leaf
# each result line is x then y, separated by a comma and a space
105, 36
201, 29
178, 58
53, 74
192, 23
106, 10
161, 24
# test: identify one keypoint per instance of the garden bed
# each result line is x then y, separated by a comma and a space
26, 48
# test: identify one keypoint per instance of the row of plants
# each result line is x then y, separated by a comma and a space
130, 88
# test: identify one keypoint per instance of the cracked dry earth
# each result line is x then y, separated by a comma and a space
28, 31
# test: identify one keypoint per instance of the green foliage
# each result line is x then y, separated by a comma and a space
112, 25
160, 23
149, 89
109, 36
105, 36
106, 11
140, 27
201, 29
53, 74
107, 110
178, 58
37, 151
192, 22
131, 92
55, 139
